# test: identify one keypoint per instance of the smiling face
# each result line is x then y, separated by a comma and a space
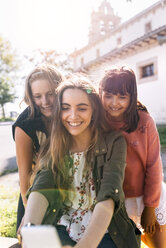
43, 96
76, 112
115, 104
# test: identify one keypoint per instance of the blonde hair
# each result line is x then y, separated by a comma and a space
48, 72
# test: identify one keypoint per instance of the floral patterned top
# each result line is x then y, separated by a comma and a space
77, 214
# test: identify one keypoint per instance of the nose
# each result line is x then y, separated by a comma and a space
114, 100
45, 100
73, 114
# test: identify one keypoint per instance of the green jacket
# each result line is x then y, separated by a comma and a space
108, 163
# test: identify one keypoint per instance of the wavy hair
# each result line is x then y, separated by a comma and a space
122, 80
47, 72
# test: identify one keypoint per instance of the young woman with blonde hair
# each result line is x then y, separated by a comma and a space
33, 124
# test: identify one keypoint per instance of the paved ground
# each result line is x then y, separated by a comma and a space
7, 242
7, 148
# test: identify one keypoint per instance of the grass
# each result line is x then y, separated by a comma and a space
162, 134
8, 211
8, 171
7, 119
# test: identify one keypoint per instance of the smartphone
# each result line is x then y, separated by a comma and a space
42, 236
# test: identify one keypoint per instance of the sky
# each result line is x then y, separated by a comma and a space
62, 25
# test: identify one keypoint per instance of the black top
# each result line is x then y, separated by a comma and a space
34, 128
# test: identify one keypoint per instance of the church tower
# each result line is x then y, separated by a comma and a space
102, 21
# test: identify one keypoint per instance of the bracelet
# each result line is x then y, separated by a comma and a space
29, 224
19, 237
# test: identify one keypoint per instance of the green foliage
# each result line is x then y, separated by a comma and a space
8, 211
5, 92
162, 134
8, 67
61, 61
7, 119
8, 62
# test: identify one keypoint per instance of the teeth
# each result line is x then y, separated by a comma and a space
74, 124
114, 109
47, 107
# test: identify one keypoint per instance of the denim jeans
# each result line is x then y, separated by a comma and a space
64, 236
106, 242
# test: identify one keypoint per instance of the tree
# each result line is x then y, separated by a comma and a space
8, 67
61, 61
5, 94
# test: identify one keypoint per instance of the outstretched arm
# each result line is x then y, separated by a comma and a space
24, 156
98, 225
36, 208
96, 229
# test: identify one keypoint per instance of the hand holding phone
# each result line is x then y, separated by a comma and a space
42, 236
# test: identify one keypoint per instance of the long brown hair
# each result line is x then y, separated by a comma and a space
122, 80
56, 154
44, 71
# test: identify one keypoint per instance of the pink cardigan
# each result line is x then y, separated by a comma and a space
143, 175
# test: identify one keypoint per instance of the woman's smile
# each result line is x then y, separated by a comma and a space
75, 124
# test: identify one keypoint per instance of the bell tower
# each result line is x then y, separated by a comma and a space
102, 21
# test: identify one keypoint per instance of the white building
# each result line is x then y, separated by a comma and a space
139, 42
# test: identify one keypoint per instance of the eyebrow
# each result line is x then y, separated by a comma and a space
110, 93
80, 104
38, 93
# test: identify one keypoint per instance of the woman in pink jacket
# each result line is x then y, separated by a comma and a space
144, 191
